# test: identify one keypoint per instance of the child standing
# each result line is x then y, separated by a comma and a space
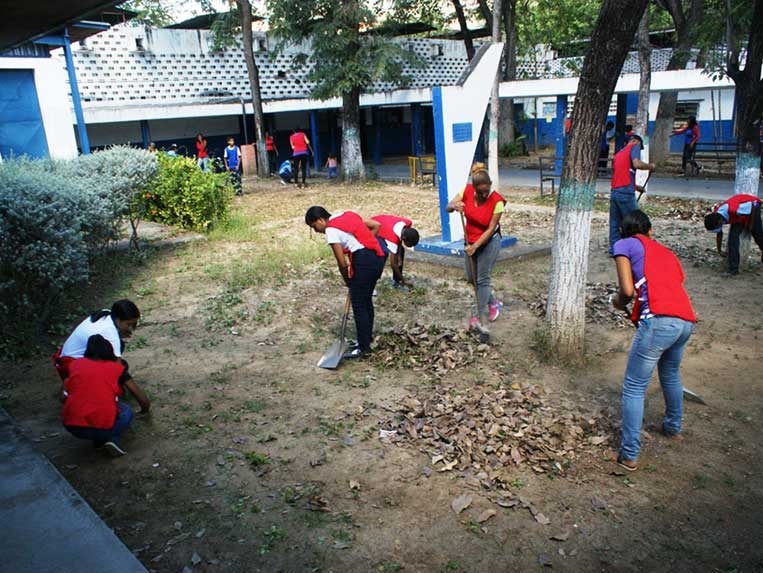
331, 166
232, 160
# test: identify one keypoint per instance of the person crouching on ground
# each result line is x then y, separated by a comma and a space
92, 410
353, 237
662, 312
115, 325
741, 212
482, 208
286, 172
397, 233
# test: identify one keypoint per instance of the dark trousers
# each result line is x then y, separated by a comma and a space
235, 176
756, 230
688, 157
272, 161
99, 436
300, 165
367, 267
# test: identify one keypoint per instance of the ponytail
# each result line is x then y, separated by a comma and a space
122, 309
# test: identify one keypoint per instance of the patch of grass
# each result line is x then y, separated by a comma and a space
257, 459
224, 311
237, 227
254, 406
389, 567
331, 429
473, 527
452, 565
517, 483
700, 481
272, 537
138, 342
541, 343
147, 289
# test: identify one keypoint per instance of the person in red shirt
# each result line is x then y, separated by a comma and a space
482, 208
272, 149
300, 150
398, 233
650, 275
92, 410
202, 157
360, 256
691, 136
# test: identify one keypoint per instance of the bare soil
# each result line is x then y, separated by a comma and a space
255, 460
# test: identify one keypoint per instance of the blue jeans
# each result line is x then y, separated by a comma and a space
99, 436
484, 260
331, 172
622, 201
659, 341
203, 163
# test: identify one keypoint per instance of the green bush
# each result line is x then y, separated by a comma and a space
513, 148
184, 196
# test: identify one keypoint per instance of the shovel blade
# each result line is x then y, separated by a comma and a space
693, 397
333, 355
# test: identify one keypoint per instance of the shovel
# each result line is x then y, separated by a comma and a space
334, 354
484, 332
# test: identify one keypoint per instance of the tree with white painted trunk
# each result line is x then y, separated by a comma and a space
645, 75
495, 108
612, 36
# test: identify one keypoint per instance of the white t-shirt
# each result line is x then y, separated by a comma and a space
398, 230
348, 241
76, 344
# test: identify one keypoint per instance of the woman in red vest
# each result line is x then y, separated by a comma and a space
397, 233
92, 410
202, 156
482, 208
300, 149
652, 275
353, 237
742, 212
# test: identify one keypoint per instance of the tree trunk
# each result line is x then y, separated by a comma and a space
352, 156
611, 38
468, 44
506, 127
645, 76
245, 9
495, 108
686, 28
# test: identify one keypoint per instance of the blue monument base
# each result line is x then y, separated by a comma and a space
436, 246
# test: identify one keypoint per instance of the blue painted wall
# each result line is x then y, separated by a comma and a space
21, 128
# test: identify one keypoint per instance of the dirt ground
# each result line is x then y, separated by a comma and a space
255, 460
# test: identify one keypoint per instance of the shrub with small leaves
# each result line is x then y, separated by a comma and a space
184, 196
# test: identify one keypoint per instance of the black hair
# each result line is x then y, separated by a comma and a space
122, 309
98, 348
314, 213
714, 221
635, 223
692, 121
198, 135
628, 127
610, 124
410, 237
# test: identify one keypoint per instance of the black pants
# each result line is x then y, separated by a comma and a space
736, 231
300, 164
272, 161
688, 157
367, 267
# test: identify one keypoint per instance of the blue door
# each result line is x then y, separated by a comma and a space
21, 128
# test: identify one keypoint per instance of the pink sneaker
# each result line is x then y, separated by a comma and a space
473, 323
495, 310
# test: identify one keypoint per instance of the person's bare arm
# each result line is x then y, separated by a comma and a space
625, 289
456, 204
719, 243
638, 164
372, 225
484, 237
140, 396
341, 262
394, 263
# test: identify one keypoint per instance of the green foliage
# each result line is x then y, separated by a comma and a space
150, 12
184, 196
342, 59
513, 148
563, 25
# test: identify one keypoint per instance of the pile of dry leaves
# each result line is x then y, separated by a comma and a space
430, 349
682, 209
598, 307
487, 434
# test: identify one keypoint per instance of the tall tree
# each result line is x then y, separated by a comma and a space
245, 10
495, 108
686, 15
464, 27
343, 62
645, 75
611, 38
506, 131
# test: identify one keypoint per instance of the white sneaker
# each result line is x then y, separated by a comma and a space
113, 450
375, 293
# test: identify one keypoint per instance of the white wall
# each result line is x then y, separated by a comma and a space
53, 97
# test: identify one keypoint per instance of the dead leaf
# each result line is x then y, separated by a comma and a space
507, 502
562, 536
195, 559
354, 485
461, 502
544, 560
598, 503
597, 440
448, 466
542, 519
485, 515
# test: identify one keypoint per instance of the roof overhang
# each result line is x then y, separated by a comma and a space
26, 21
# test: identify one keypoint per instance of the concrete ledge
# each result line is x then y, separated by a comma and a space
516, 252
45, 526
436, 246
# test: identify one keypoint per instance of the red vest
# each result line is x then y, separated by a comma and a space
388, 223
734, 203
352, 223
298, 143
621, 168
269, 143
478, 216
665, 283
93, 389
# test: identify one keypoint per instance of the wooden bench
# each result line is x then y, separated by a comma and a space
421, 167
548, 173
720, 153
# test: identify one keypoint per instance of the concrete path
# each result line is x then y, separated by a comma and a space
689, 188
45, 526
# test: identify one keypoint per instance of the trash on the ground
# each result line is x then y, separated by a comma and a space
562, 536
485, 515
461, 502
195, 559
